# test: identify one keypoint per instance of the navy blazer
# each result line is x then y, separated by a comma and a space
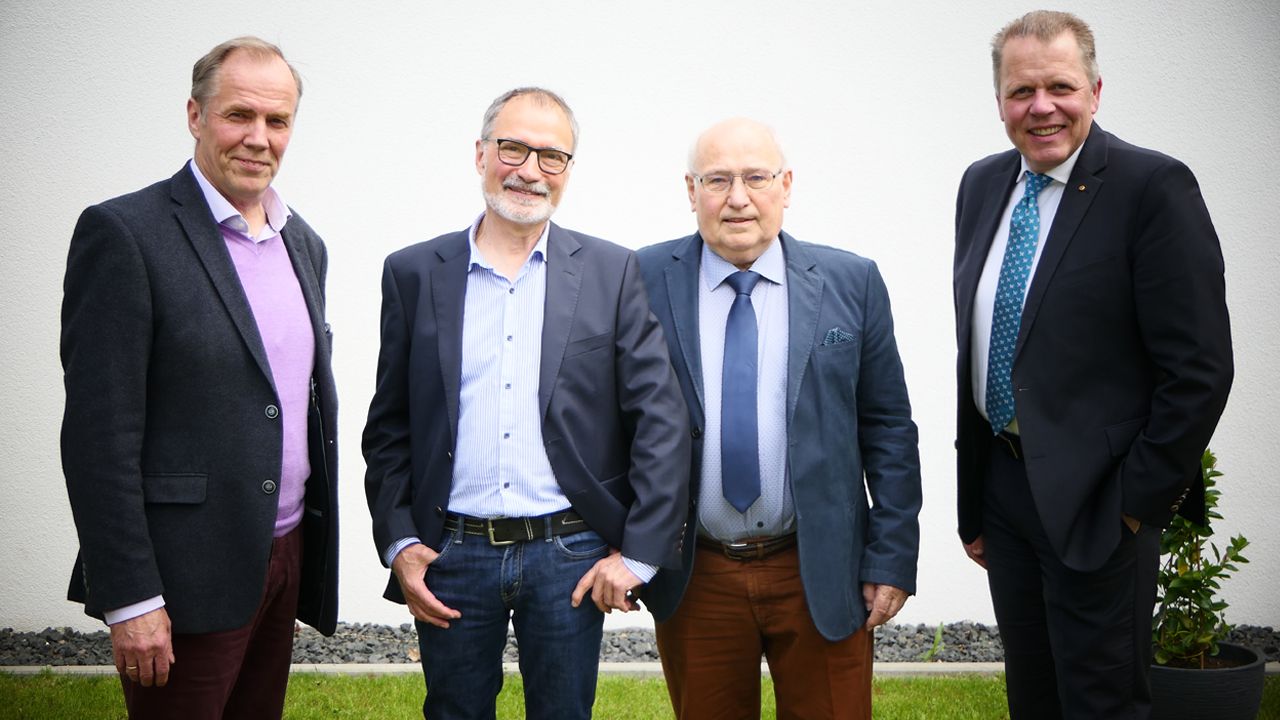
849, 426
1123, 360
614, 425
171, 441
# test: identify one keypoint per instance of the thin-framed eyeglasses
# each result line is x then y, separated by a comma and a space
722, 182
553, 161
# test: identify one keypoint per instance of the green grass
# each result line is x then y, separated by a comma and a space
378, 697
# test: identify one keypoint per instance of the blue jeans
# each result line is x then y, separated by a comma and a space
528, 584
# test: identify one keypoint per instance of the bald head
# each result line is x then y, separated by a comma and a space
738, 185
734, 131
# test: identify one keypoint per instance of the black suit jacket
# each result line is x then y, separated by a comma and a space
1123, 360
614, 424
171, 430
851, 440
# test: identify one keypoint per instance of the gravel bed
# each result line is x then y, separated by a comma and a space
368, 643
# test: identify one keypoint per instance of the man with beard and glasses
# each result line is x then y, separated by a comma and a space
527, 444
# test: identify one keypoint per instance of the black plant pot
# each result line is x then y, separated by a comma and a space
1232, 693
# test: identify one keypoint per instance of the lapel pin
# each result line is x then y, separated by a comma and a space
1081, 188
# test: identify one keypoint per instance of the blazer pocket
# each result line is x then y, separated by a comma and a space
1121, 435
588, 344
176, 488
1098, 270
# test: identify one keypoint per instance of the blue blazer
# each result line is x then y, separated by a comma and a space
171, 444
1123, 359
849, 426
614, 425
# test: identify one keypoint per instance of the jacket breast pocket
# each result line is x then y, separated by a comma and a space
588, 344
175, 488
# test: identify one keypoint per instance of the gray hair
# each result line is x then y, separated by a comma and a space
204, 74
543, 95
1045, 25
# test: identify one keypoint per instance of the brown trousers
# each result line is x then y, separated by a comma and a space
732, 613
239, 673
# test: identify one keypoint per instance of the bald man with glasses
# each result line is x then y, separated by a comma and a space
786, 356
527, 444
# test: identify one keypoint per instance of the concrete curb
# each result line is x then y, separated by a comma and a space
633, 669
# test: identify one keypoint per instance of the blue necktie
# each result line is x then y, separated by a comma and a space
1006, 318
739, 442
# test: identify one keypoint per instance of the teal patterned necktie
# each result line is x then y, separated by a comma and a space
1024, 235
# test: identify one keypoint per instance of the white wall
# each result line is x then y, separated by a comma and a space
881, 106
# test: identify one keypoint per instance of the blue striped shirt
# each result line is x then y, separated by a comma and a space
500, 464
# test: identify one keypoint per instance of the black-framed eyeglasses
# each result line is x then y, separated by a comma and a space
722, 182
553, 161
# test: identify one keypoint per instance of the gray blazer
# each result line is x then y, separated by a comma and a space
170, 447
614, 425
849, 425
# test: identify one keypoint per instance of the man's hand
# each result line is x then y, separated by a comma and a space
976, 552
1131, 522
609, 581
410, 567
142, 648
883, 602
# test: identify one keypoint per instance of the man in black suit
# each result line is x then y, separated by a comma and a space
527, 443
1094, 362
197, 441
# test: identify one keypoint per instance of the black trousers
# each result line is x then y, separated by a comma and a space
1077, 644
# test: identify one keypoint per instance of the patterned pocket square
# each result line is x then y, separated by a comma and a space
835, 336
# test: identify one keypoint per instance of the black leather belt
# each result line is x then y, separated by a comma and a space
1011, 444
509, 530
746, 550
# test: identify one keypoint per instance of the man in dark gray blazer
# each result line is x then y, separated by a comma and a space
197, 441
526, 444
1094, 362
785, 554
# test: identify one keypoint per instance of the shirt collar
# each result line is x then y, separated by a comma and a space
1061, 173
478, 259
224, 213
771, 265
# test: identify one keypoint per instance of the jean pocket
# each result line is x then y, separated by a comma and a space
583, 545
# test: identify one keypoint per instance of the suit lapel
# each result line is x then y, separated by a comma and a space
564, 281
308, 280
449, 297
804, 301
193, 214
994, 191
682, 277
1082, 187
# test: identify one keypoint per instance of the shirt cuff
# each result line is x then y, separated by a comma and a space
396, 547
644, 571
129, 612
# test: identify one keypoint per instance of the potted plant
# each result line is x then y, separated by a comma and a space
1196, 674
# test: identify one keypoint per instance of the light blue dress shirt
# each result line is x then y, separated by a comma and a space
773, 513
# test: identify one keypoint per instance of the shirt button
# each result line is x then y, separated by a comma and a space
269, 486
511, 291
508, 338
506, 436
508, 386
272, 412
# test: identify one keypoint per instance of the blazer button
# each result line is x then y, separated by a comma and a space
272, 412
439, 511
697, 433
269, 486
1174, 507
